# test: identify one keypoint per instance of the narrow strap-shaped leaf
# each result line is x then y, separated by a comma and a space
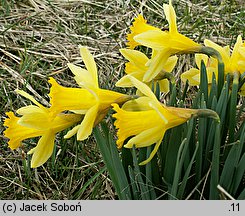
239, 174
204, 81
149, 174
226, 177
213, 91
202, 135
233, 103
134, 186
242, 195
213, 194
187, 173
177, 172
144, 192
113, 164
220, 77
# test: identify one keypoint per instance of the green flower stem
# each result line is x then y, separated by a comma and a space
207, 113
214, 53
166, 75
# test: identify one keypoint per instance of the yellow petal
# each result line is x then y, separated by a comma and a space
135, 72
160, 111
43, 150
90, 64
139, 104
129, 81
242, 51
134, 56
107, 97
179, 115
220, 49
87, 124
30, 109
63, 121
170, 16
198, 59
242, 90
81, 112
154, 39
235, 57
72, 132
193, 75
82, 76
32, 99
36, 120
227, 50
154, 151
182, 44
124, 82
164, 85
145, 138
170, 63
156, 65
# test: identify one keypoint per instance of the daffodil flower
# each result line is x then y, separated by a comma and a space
193, 74
233, 63
146, 119
172, 39
36, 121
89, 100
164, 43
138, 66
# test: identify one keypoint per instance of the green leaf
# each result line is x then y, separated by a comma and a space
213, 91
187, 174
239, 174
220, 77
112, 161
213, 194
229, 167
144, 191
204, 81
232, 113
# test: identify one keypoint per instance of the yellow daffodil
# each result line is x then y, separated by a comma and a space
146, 119
172, 39
138, 66
164, 43
193, 75
89, 100
233, 63
36, 120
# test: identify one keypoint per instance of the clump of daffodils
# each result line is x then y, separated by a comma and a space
141, 120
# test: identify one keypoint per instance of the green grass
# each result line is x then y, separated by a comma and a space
38, 40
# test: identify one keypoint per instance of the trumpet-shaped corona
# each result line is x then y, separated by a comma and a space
36, 121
